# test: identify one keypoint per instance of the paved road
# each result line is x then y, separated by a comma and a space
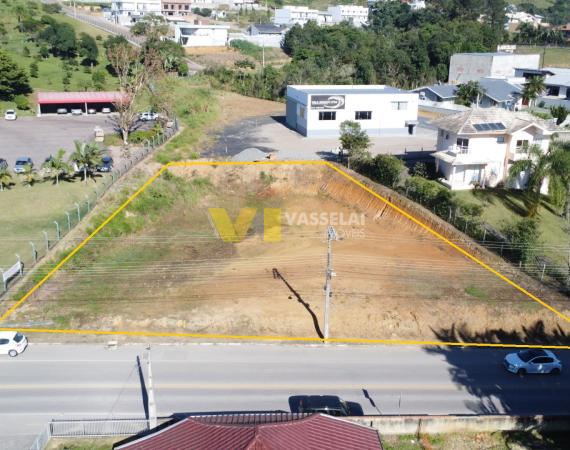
39, 137
71, 381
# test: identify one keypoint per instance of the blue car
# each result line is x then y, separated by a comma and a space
533, 361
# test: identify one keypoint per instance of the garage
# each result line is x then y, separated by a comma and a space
51, 102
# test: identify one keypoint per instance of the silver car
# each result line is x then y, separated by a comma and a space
533, 361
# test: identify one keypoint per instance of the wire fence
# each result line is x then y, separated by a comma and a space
98, 428
63, 222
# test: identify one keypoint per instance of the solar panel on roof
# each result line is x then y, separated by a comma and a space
489, 126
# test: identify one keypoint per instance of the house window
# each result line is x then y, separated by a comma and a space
302, 112
500, 139
327, 115
399, 106
462, 145
363, 115
553, 90
522, 146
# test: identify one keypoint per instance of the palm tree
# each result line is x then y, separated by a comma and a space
5, 177
533, 88
538, 167
86, 156
56, 166
28, 176
469, 92
560, 154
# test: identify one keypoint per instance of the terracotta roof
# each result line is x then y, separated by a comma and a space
465, 122
314, 432
45, 98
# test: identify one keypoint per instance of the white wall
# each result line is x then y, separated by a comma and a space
472, 66
202, 37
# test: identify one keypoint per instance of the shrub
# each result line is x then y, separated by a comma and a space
524, 237
247, 48
244, 64
34, 70
22, 102
430, 194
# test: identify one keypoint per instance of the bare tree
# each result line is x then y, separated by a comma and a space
135, 71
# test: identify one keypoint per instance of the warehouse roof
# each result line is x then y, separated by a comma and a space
46, 98
325, 89
270, 431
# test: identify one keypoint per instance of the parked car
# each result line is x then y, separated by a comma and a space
326, 404
106, 110
91, 111
3, 164
532, 361
12, 343
10, 114
21, 164
106, 164
61, 111
148, 116
76, 112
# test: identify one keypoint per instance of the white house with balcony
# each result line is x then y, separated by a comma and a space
128, 12
477, 147
354, 14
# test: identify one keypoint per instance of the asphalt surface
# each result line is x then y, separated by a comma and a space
39, 137
79, 381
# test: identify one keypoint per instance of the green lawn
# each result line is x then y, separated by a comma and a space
550, 57
538, 3
30, 210
24, 52
502, 206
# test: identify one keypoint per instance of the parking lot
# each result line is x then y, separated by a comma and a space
39, 137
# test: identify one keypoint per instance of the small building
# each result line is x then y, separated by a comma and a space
318, 110
258, 432
496, 92
354, 14
465, 67
189, 35
127, 13
477, 147
50, 102
557, 82
301, 15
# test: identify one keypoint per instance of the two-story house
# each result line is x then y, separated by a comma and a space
477, 147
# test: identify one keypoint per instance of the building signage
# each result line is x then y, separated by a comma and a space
327, 101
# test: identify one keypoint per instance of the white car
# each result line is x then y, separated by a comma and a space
106, 110
76, 112
10, 114
148, 116
12, 343
533, 361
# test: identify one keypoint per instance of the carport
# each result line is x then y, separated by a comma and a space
50, 102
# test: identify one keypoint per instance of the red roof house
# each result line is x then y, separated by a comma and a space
252, 432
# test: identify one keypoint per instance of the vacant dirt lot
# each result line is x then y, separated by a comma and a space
168, 269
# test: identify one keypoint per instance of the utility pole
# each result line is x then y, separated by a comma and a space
152, 419
331, 236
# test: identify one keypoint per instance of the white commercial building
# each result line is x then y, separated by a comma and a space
318, 110
128, 12
356, 15
291, 15
465, 67
201, 35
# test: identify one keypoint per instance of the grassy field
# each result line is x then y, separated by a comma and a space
539, 3
163, 255
550, 57
30, 210
502, 206
23, 52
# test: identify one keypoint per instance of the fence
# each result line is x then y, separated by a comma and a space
89, 429
66, 221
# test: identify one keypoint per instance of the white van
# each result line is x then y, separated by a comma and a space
12, 343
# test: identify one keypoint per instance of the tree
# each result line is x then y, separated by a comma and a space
13, 79
354, 140
86, 156
5, 177
560, 156
98, 78
56, 166
152, 26
524, 238
134, 71
538, 166
469, 93
34, 69
28, 176
533, 88
560, 112
88, 49
387, 170
61, 39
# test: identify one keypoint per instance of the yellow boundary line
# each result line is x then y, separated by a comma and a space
279, 338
